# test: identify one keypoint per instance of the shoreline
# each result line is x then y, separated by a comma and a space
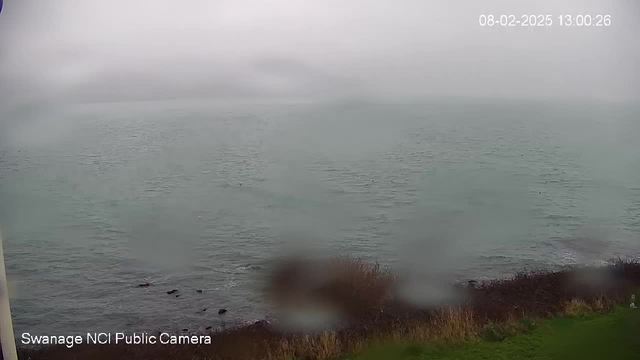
541, 294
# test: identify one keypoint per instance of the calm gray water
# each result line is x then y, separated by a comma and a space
96, 199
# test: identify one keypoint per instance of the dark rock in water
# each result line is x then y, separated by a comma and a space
185, 330
222, 311
208, 328
203, 310
199, 291
472, 283
144, 285
172, 291
261, 324
178, 295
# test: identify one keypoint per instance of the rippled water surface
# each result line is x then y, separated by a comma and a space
97, 199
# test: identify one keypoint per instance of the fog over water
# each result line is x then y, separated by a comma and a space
189, 144
97, 50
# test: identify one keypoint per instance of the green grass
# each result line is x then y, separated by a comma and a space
615, 336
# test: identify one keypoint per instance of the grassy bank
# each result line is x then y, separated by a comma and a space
373, 314
614, 335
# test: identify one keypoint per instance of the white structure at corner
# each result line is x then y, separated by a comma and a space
7, 340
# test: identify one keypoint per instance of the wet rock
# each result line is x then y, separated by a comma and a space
172, 291
260, 324
208, 328
203, 310
222, 311
178, 295
144, 285
199, 291
472, 284
185, 330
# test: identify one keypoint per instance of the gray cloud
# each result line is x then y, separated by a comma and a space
141, 49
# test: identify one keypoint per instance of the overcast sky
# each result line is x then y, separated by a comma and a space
96, 50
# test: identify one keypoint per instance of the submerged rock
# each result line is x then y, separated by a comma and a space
222, 311
199, 291
172, 291
144, 285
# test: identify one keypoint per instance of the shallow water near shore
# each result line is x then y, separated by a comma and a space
97, 199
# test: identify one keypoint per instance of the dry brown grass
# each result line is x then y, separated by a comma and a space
580, 307
451, 324
327, 345
577, 307
455, 324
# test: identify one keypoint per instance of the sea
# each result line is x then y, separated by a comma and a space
96, 199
